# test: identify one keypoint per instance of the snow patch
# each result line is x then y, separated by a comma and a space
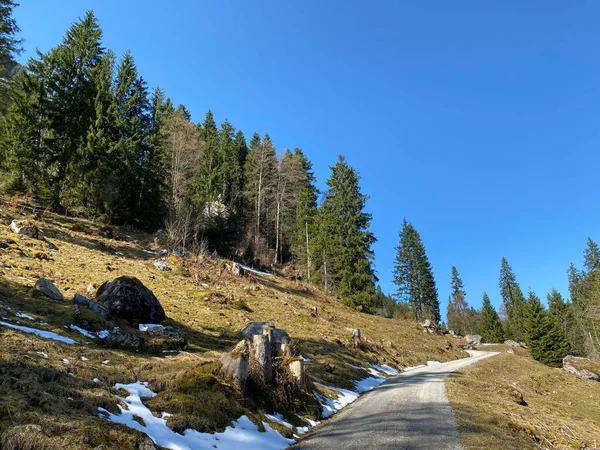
257, 272
278, 418
433, 363
331, 406
23, 316
40, 333
304, 358
149, 326
354, 366
43, 354
385, 369
86, 333
243, 433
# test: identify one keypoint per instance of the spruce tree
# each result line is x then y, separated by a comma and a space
413, 275
535, 325
458, 309
513, 300
592, 256
10, 47
348, 239
491, 327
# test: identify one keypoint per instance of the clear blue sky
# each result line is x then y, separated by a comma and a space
477, 121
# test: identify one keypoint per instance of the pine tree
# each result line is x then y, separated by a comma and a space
491, 327
347, 238
553, 345
513, 300
413, 275
210, 170
306, 215
592, 256
458, 309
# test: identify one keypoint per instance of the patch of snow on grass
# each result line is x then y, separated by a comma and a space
366, 384
331, 406
304, 358
86, 333
43, 354
23, 316
83, 358
302, 430
103, 334
243, 433
278, 418
385, 369
433, 363
148, 326
41, 333
354, 366
258, 272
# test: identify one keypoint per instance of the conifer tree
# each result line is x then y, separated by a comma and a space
348, 239
491, 327
413, 275
458, 309
534, 325
306, 215
10, 47
513, 300
592, 256
210, 171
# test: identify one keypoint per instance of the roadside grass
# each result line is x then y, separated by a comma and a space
562, 411
208, 302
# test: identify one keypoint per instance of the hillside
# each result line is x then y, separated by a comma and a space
557, 411
51, 391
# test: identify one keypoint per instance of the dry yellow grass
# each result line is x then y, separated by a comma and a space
35, 390
562, 411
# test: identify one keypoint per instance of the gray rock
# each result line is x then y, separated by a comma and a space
178, 251
48, 288
429, 326
473, 339
95, 307
26, 228
161, 264
569, 363
129, 299
234, 364
355, 336
127, 339
165, 338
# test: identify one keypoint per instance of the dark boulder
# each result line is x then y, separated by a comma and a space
127, 298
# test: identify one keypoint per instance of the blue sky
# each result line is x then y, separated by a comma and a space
477, 121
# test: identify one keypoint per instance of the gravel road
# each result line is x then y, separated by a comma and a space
410, 411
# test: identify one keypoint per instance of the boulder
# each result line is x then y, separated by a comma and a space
574, 365
127, 339
234, 364
473, 339
512, 343
79, 299
127, 298
518, 398
48, 288
429, 326
26, 228
161, 264
164, 338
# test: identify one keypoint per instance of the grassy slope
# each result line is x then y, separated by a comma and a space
562, 412
35, 390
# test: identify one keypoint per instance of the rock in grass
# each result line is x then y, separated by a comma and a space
48, 288
27, 228
473, 339
95, 307
281, 343
573, 364
512, 343
161, 264
127, 298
